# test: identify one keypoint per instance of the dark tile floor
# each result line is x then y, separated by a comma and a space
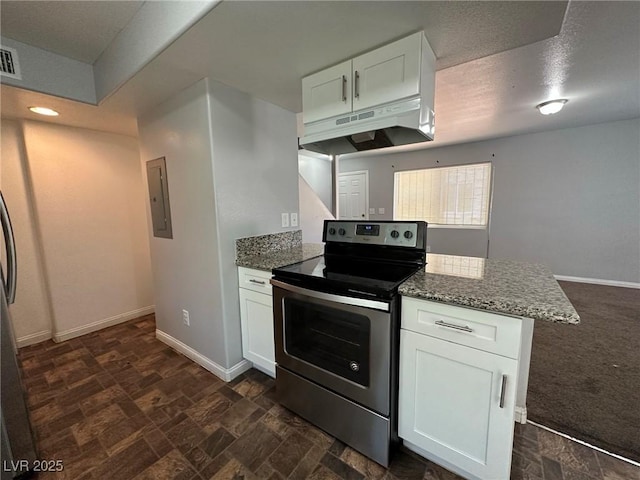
119, 404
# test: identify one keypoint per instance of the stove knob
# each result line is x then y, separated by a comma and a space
332, 231
395, 234
342, 231
408, 234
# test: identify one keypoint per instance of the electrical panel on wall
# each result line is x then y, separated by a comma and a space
159, 198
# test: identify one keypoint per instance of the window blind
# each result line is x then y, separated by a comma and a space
445, 196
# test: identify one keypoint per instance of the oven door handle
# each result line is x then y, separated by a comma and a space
330, 297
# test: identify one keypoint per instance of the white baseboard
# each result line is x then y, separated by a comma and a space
226, 374
100, 324
33, 338
521, 415
598, 281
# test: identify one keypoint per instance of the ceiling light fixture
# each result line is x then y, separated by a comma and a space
552, 106
44, 111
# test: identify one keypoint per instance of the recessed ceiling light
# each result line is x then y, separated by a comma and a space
552, 106
44, 111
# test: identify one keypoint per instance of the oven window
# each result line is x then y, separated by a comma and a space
328, 338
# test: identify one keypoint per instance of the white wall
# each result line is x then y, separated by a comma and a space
255, 159
79, 217
313, 213
31, 314
185, 268
568, 198
231, 169
316, 169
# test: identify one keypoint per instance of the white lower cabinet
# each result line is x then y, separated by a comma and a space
256, 317
457, 400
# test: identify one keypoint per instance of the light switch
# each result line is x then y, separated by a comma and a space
294, 219
285, 219
372, 211
381, 211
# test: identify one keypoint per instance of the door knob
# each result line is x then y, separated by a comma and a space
363, 215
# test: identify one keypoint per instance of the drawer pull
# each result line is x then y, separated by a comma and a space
259, 282
503, 390
465, 328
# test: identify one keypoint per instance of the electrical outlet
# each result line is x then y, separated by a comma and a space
294, 219
185, 318
372, 211
428, 248
381, 211
285, 219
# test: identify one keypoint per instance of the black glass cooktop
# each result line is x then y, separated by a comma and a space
363, 278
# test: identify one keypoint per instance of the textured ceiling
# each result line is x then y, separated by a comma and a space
496, 60
457, 31
265, 48
79, 30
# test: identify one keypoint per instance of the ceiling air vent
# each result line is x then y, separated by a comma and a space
9, 66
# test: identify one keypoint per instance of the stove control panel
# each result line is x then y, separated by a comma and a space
400, 234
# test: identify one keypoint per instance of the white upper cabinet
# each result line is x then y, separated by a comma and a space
327, 93
388, 73
399, 70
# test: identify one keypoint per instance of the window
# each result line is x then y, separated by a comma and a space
469, 267
444, 196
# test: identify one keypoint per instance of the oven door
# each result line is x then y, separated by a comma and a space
341, 343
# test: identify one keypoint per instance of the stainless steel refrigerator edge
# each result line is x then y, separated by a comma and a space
17, 444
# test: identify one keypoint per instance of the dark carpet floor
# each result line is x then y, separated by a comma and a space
585, 379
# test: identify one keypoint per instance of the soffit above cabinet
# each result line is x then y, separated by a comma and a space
517, 47
276, 44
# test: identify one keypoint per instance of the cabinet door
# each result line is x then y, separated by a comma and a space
388, 73
327, 93
450, 405
256, 317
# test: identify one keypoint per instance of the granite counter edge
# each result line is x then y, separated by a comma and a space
271, 260
548, 313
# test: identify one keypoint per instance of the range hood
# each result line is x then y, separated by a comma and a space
398, 123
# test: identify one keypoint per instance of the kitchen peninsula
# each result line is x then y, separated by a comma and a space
465, 349
466, 329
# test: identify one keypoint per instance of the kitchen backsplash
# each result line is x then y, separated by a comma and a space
272, 242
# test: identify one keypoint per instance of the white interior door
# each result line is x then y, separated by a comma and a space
353, 196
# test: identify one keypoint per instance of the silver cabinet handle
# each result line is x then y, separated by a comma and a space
503, 390
251, 280
10, 245
464, 328
344, 88
357, 85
